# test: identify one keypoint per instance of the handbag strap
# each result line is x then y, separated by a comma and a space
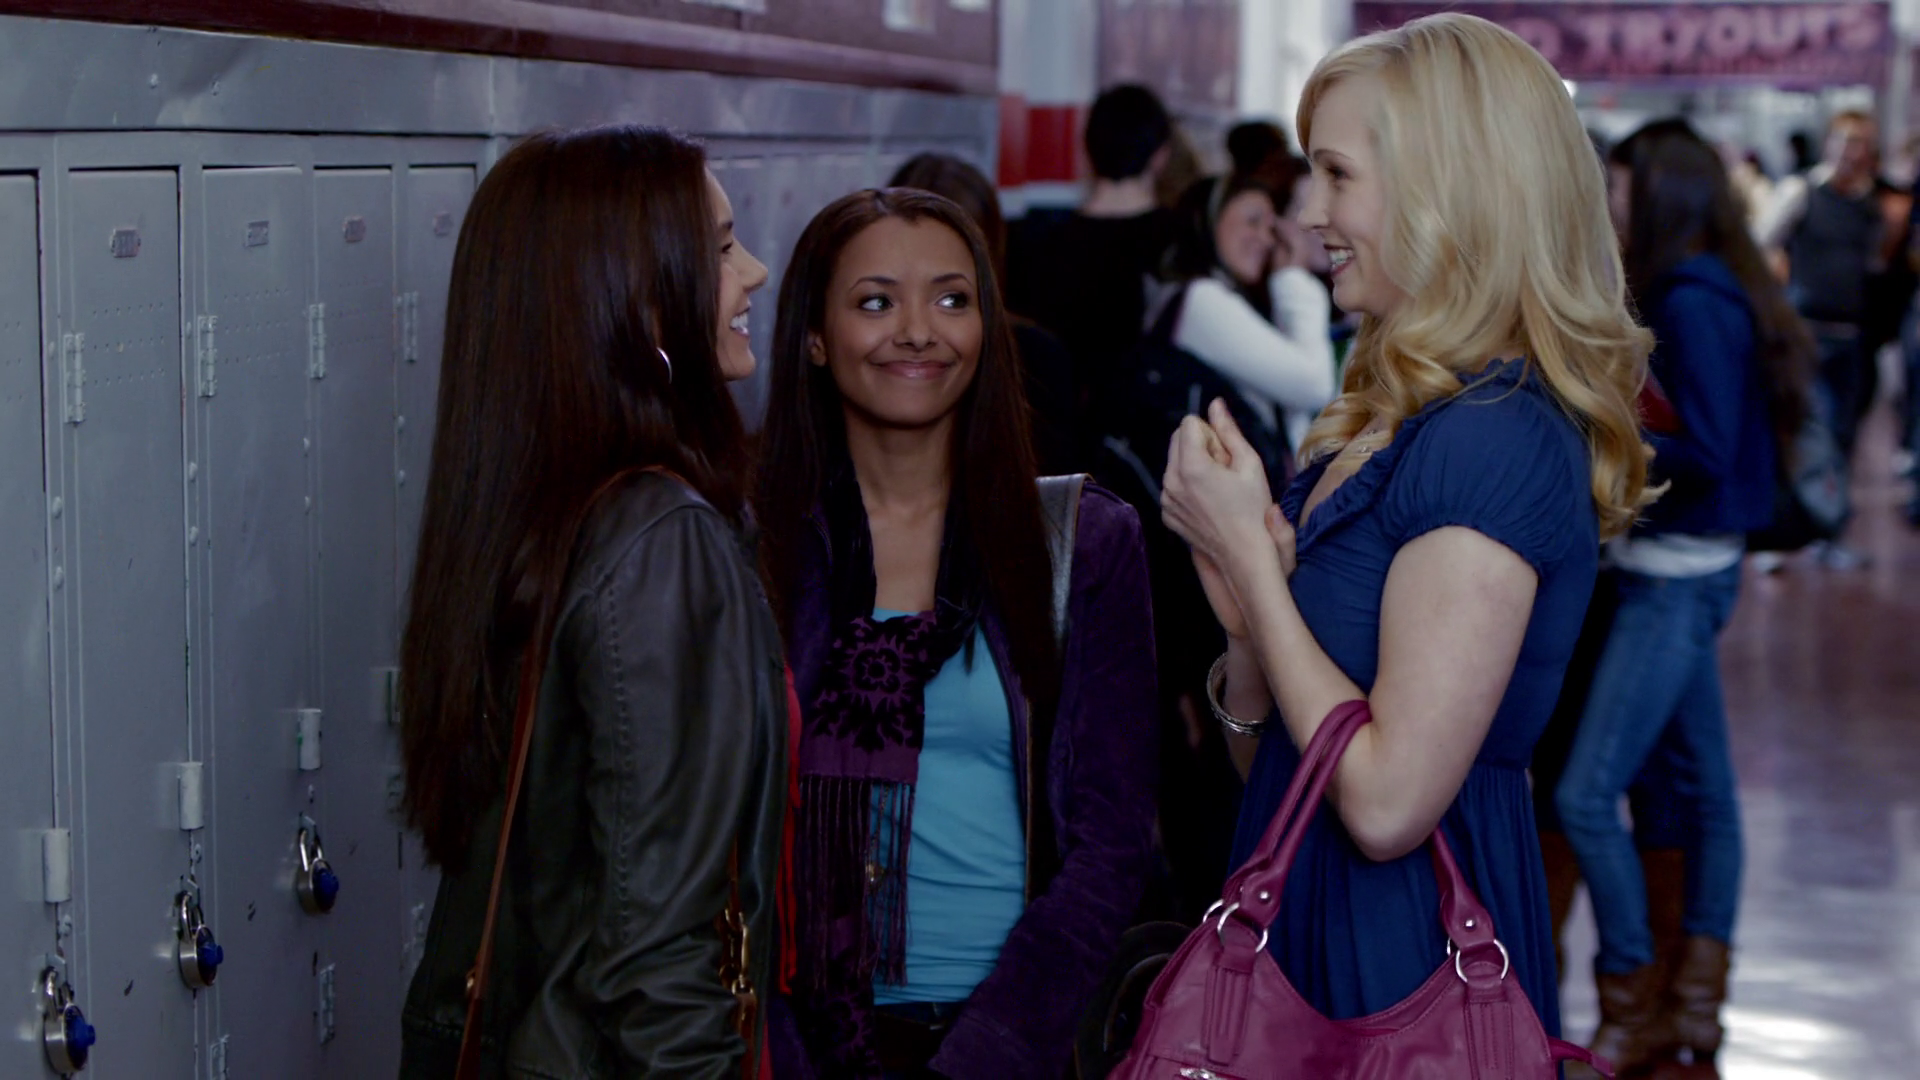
1257, 888
532, 671
1340, 725
1060, 516
1060, 510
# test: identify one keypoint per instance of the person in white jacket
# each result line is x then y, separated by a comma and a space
1247, 306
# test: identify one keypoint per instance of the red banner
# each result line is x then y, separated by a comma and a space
1783, 44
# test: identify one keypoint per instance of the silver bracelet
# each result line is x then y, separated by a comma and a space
1216, 681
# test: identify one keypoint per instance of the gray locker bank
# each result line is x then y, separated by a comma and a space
223, 270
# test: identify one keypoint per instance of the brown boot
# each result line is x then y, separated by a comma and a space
1630, 1029
1698, 989
1563, 880
1665, 872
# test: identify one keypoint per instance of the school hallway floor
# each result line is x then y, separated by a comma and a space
1822, 671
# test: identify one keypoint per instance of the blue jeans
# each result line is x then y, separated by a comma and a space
1843, 391
1658, 685
1910, 353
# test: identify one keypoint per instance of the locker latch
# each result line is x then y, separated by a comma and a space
316, 884
195, 949
64, 1028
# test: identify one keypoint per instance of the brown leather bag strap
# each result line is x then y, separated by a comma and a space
532, 671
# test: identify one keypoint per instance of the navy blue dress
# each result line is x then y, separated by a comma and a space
1501, 458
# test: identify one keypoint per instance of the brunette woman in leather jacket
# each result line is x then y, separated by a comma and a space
586, 507
977, 801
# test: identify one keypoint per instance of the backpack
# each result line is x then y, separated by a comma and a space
1810, 500
1163, 384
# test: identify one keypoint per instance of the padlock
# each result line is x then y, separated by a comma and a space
64, 1028
316, 883
195, 950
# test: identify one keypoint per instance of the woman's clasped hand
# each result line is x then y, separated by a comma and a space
1216, 499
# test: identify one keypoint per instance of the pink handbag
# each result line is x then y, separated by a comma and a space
1222, 1009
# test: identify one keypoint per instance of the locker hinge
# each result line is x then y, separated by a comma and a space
217, 1059
207, 353
56, 865
317, 341
73, 368
386, 684
323, 1015
406, 307
192, 791
306, 738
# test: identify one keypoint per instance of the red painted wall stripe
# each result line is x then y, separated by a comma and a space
1013, 141
1053, 143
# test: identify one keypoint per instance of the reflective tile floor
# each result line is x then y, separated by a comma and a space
1822, 672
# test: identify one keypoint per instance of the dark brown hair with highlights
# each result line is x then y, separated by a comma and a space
1683, 205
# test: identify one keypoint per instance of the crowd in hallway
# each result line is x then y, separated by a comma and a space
1362, 518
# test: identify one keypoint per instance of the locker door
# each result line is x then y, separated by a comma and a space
125, 648
433, 203
26, 717
354, 443
253, 496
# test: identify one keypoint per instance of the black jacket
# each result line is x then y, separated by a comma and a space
660, 743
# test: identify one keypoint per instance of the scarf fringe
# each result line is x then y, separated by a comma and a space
851, 873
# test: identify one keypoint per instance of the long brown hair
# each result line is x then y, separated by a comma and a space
583, 257
805, 438
1683, 205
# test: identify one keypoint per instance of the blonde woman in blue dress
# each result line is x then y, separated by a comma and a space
1437, 554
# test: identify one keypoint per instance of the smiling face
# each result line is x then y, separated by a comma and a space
1347, 204
740, 275
1245, 236
902, 332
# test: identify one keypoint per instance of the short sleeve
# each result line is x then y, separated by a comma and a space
1504, 462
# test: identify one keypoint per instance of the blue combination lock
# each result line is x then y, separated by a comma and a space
195, 949
64, 1028
316, 884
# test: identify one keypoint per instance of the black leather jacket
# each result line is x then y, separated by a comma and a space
661, 741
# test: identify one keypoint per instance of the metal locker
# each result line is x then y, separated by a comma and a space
253, 503
355, 420
26, 726
433, 203
849, 173
122, 657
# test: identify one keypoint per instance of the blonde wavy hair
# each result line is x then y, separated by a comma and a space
1498, 233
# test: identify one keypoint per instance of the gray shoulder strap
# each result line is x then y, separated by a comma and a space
1060, 508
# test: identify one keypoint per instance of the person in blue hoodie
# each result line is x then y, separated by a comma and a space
1729, 383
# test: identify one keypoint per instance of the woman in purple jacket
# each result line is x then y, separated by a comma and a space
977, 800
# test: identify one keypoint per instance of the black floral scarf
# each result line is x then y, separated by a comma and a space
859, 761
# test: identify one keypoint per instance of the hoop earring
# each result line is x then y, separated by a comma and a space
665, 360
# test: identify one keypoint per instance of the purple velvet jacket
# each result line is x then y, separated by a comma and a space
1101, 775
